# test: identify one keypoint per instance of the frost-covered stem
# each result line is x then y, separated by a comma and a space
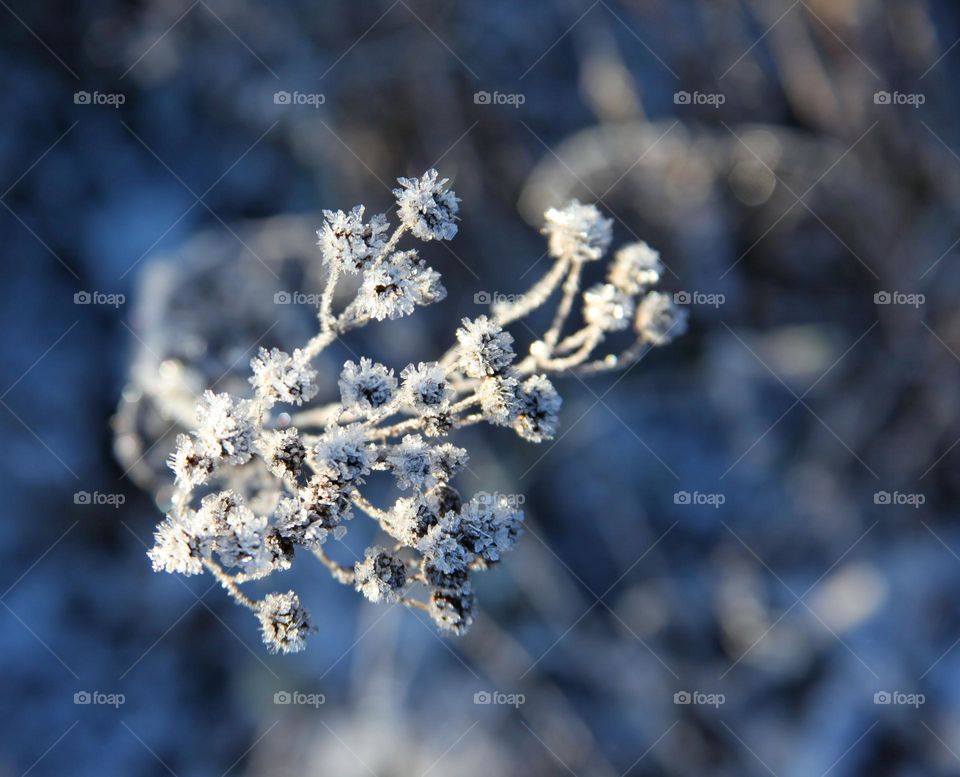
371, 510
411, 424
630, 356
318, 342
391, 244
533, 298
230, 585
341, 573
327, 320
570, 288
575, 358
409, 601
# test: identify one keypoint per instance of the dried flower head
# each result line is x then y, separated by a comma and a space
242, 517
280, 377
427, 207
577, 232
345, 241
284, 623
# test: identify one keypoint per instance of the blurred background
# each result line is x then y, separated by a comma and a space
741, 555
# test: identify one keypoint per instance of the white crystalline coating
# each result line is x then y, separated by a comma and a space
608, 308
227, 427
284, 623
427, 207
280, 377
538, 414
345, 241
367, 386
425, 387
380, 576
498, 399
191, 463
395, 287
173, 550
485, 349
659, 320
635, 267
578, 232
345, 449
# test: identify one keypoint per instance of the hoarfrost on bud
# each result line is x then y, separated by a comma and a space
345, 241
425, 387
452, 610
485, 349
345, 449
607, 308
498, 399
280, 377
173, 550
427, 207
367, 386
659, 320
538, 414
635, 267
191, 463
284, 623
284, 452
578, 232
395, 287
227, 427
380, 576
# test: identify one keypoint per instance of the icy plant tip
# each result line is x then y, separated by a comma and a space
254, 491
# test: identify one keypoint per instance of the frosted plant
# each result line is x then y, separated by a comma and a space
255, 484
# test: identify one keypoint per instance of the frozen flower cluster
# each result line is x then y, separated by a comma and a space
264, 479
